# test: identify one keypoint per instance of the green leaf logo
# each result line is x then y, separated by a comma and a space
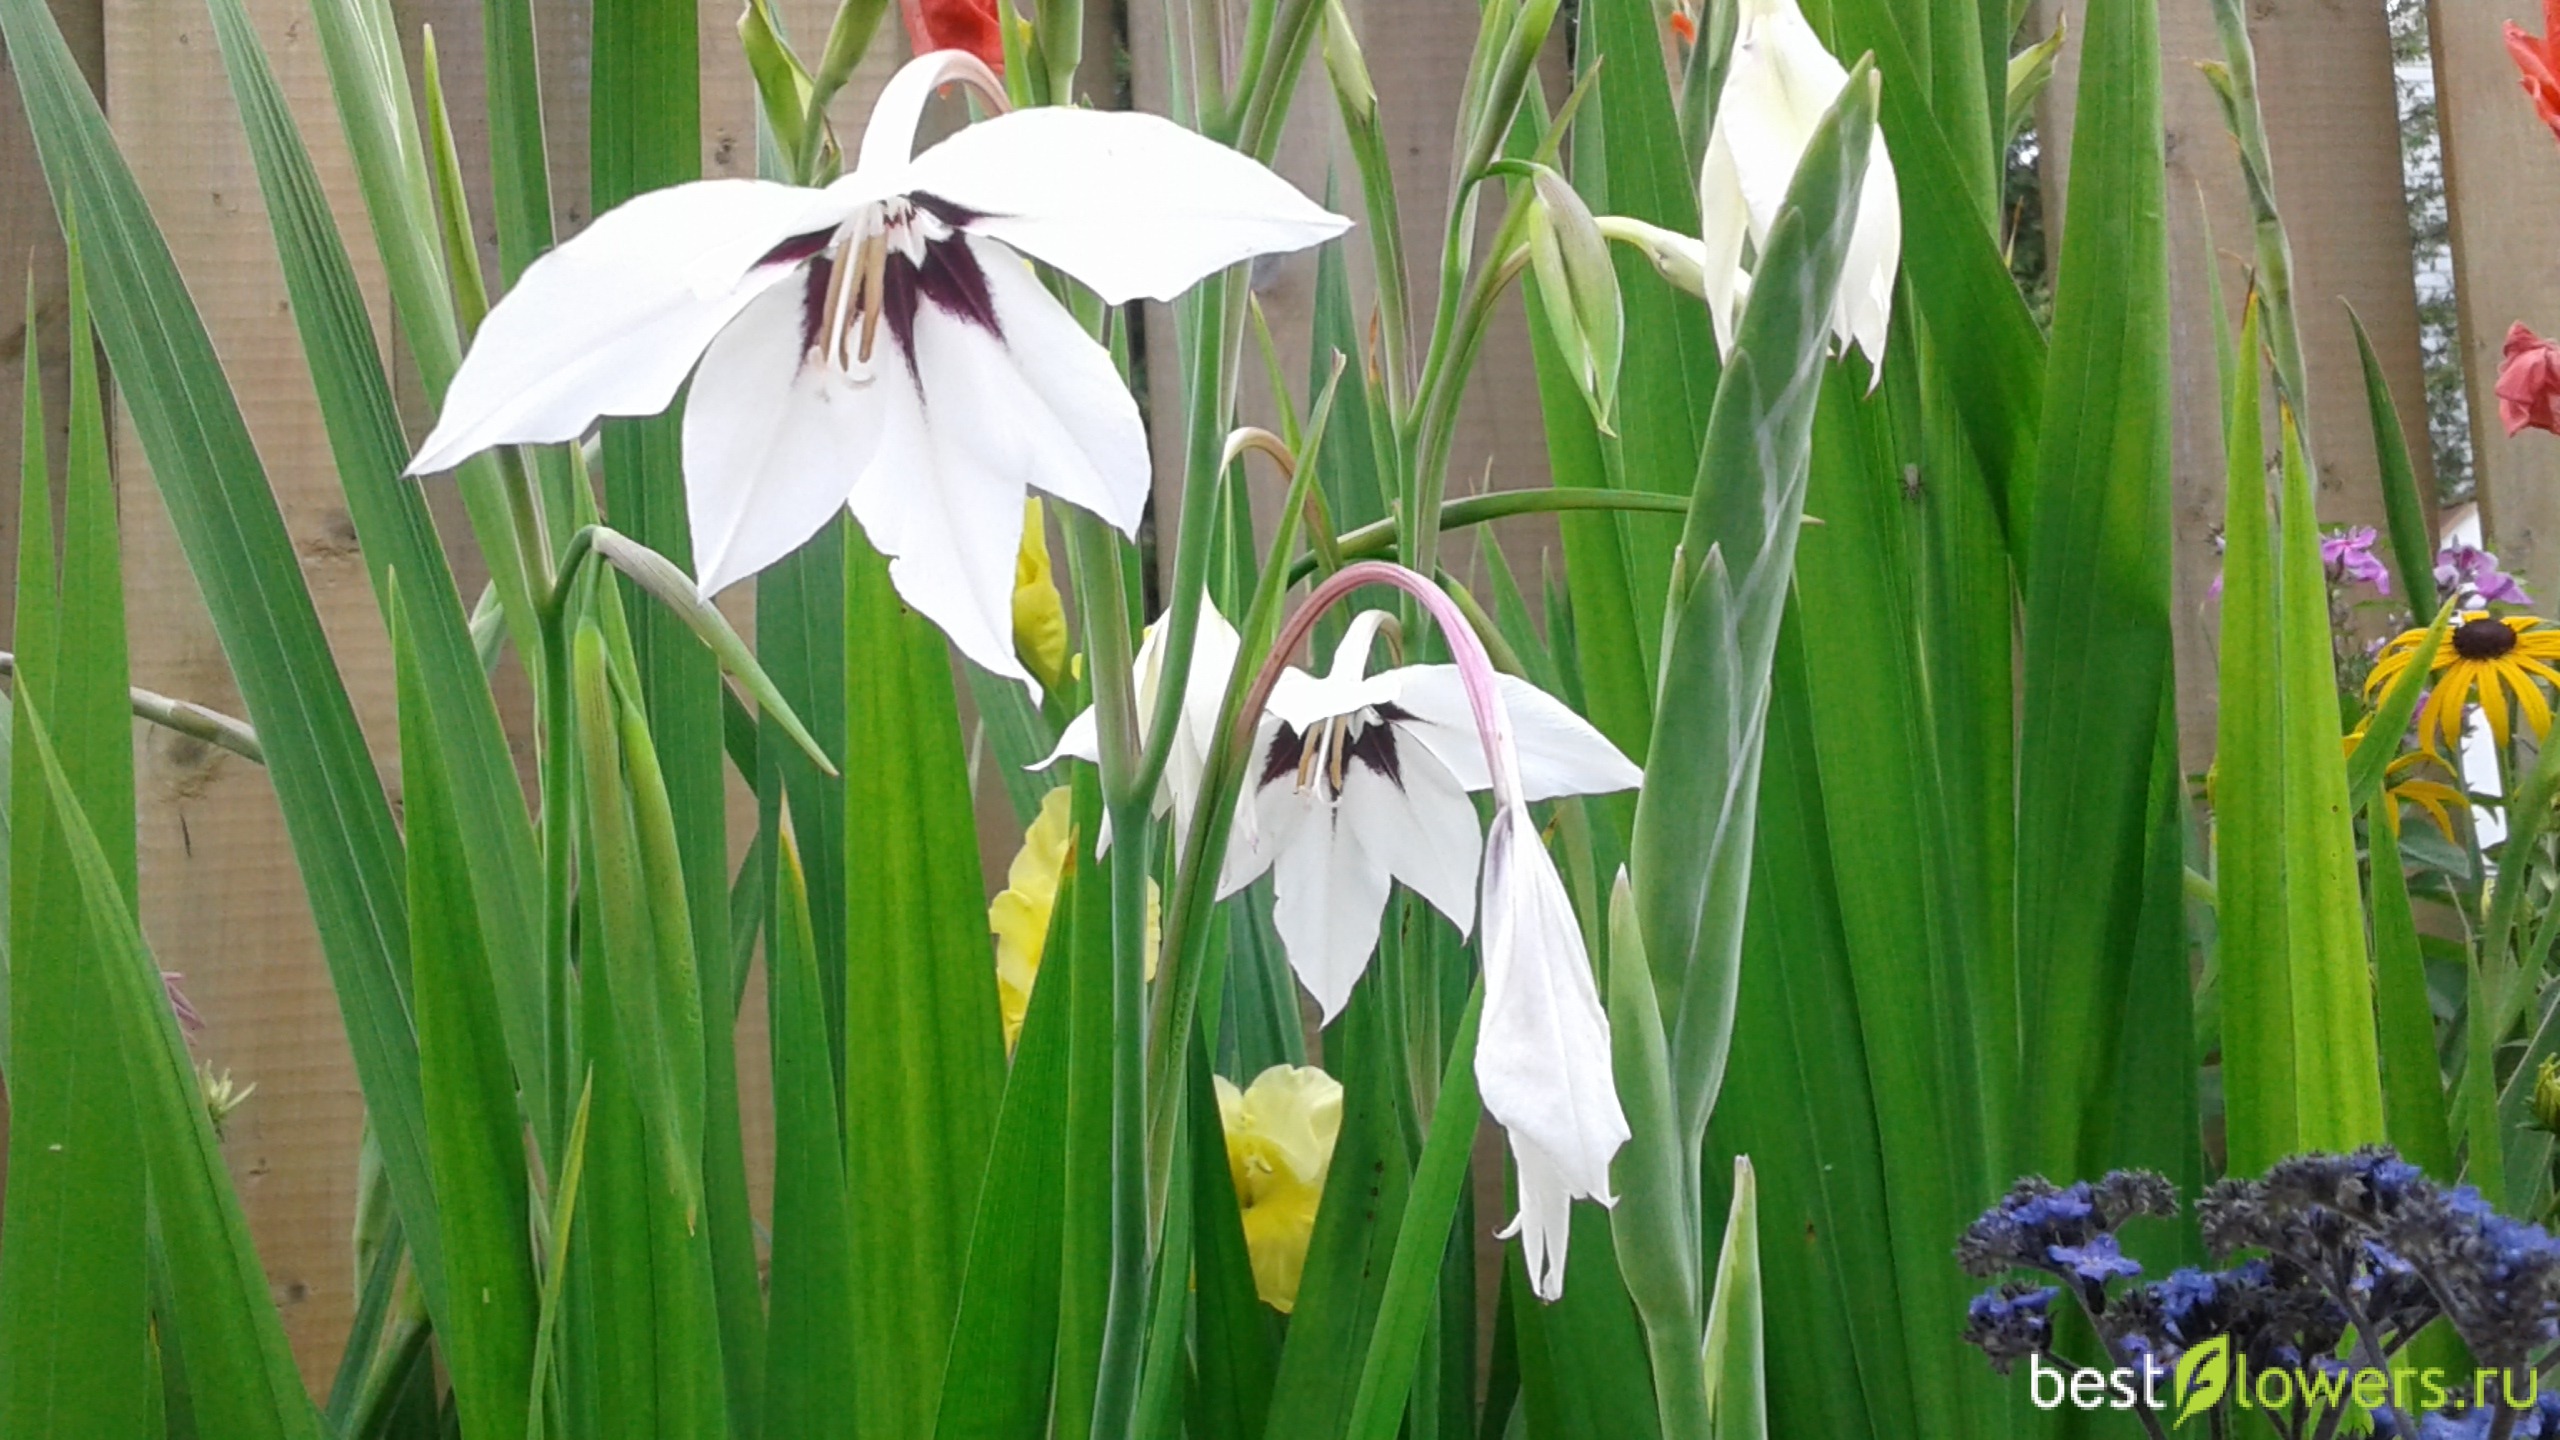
2203, 1374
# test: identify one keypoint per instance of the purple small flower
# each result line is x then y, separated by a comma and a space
2350, 556
2094, 1263
2470, 571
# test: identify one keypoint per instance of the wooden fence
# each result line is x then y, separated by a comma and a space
220, 897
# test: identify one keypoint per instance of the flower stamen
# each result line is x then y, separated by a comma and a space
874, 289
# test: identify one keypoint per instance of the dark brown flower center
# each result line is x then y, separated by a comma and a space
2483, 639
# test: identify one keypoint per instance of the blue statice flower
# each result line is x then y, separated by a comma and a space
2094, 1262
2067, 1231
2332, 1262
2010, 1322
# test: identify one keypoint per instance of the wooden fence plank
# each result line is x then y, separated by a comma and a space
2502, 189
30, 241
221, 899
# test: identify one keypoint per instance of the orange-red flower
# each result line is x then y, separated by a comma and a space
2538, 57
2529, 382
969, 25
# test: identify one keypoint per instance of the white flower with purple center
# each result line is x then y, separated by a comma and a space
881, 343
1358, 780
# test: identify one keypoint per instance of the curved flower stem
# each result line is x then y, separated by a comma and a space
1101, 596
1379, 537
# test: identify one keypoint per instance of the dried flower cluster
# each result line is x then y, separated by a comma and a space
2334, 1264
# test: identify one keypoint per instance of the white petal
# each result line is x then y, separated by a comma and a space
1421, 826
1303, 699
1727, 218
1560, 752
611, 322
1214, 651
889, 136
1081, 740
943, 494
1131, 204
1327, 893
1542, 1056
1545, 1221
1864, 311
771, 446
1104, 468
1267, 817
982, 431
1213, 658
1780, 85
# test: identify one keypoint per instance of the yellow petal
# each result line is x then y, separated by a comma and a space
1276, 1233
1280, 1137
1039, 618
2493, 701
1155, 925
1019, 916
2537, 711
1231, 1120
1296, 1110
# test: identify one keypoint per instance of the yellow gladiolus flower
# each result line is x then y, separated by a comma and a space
1280, 1134
1039, 618
1019, 917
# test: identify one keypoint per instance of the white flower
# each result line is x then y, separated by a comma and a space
881, 343
1213, 659
1359, 779
1780, 84
1542, 1054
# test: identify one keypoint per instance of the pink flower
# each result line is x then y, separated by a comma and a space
2538, 60
2350, 556
2471, 571
970, 25
2529, 382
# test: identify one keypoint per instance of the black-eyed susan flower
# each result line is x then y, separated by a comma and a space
2498, 659
1280, 1135
2404, 780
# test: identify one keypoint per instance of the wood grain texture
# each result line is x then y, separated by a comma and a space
223, 903
221, 900
2502, 187
31, 244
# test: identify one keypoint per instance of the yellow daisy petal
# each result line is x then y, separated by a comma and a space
2493, 701
2529, 699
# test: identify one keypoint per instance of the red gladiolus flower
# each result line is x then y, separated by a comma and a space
2529, 382
2539, 60
969, 25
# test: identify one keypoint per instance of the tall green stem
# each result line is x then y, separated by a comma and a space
1101, 596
